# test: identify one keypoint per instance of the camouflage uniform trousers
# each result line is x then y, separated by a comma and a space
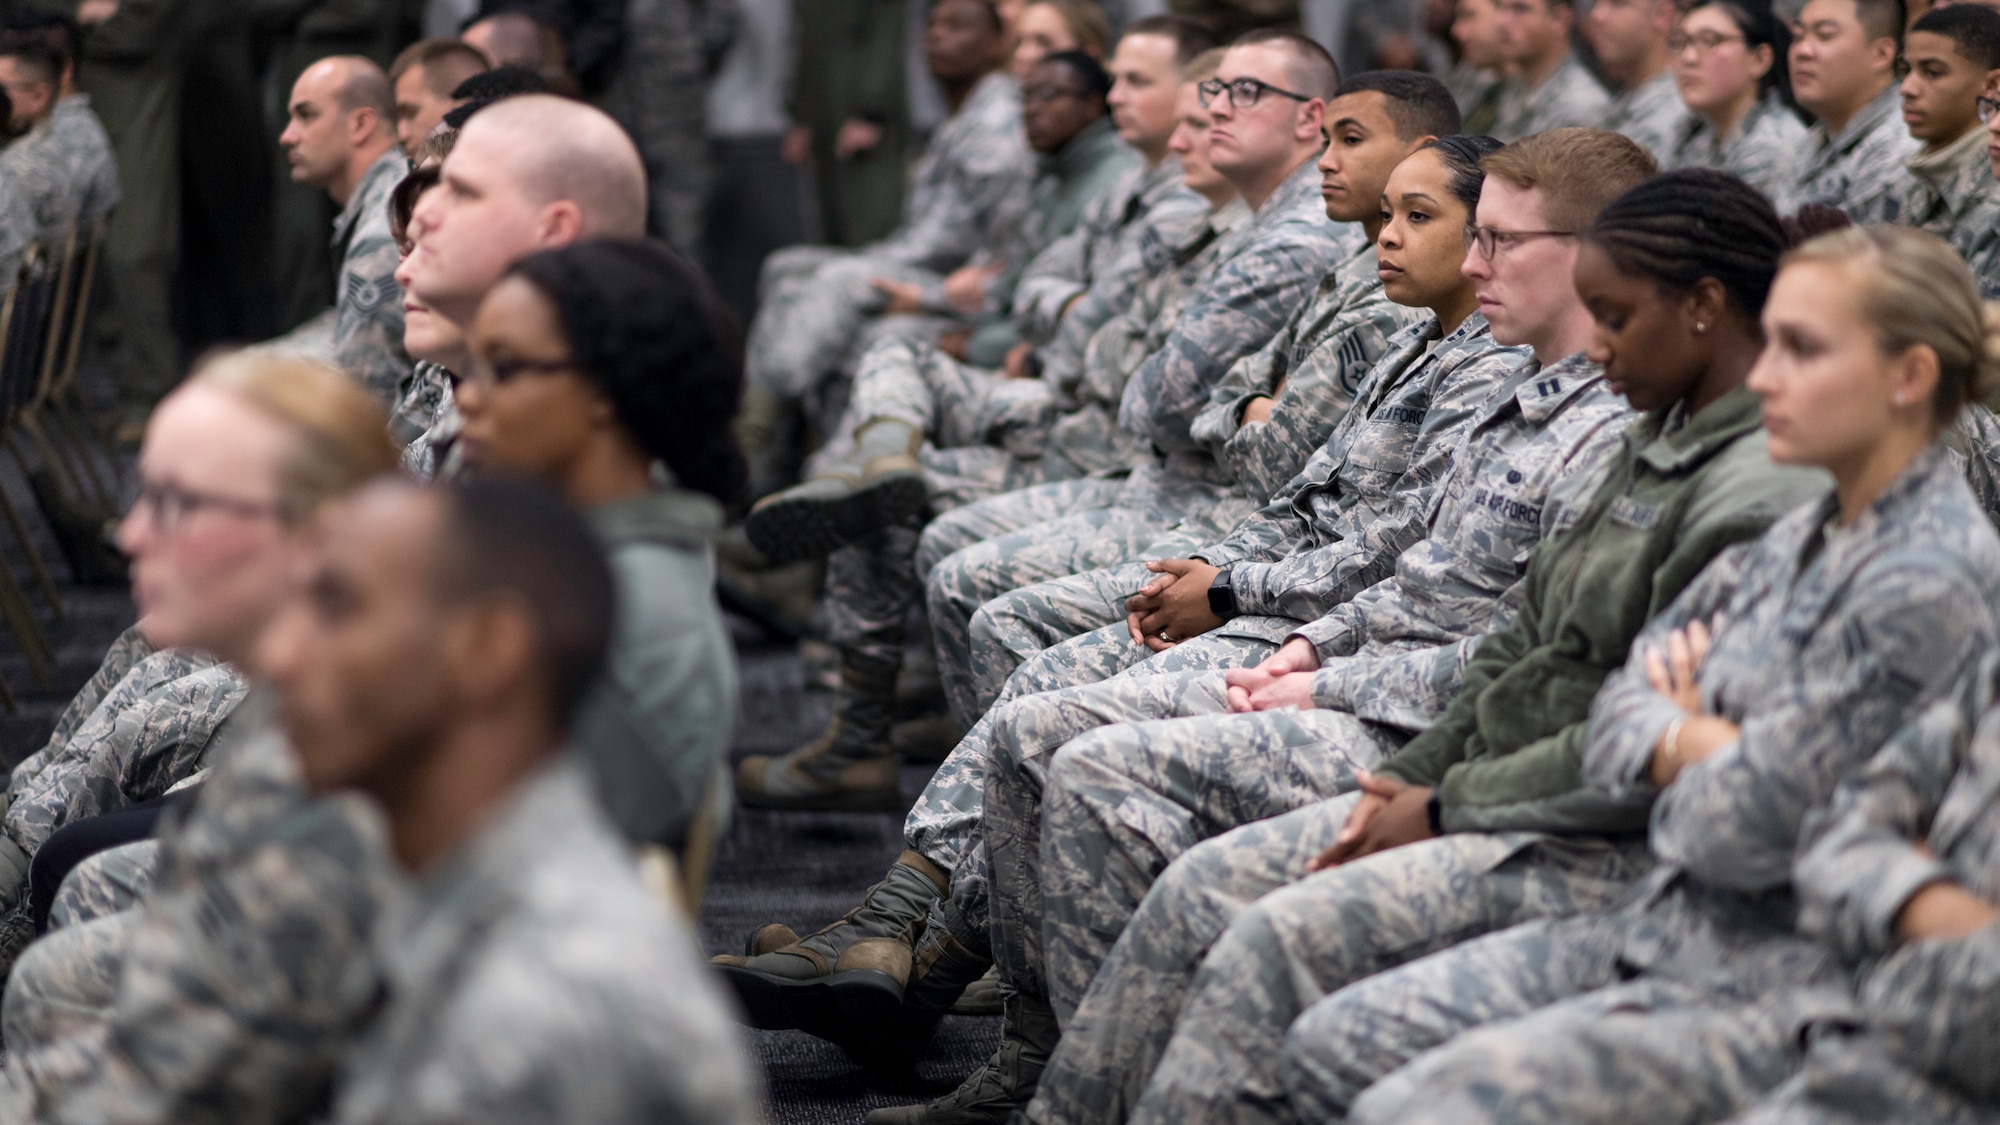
1858, 1080
814, 303
994, 606
65, 982
872, 585
1522, 998
946, 825
1100, 776
658, 94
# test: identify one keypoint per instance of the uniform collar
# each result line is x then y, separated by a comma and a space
372, 191
1714, 426
670, 515
1544, 393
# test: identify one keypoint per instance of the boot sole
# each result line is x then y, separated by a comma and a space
846, 800
839, 1008
810, 528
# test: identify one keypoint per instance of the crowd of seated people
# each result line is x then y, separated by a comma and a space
1457, 597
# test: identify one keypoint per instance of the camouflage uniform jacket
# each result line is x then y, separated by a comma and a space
1568, 96
656, 726
976, 165
1367, 494
1651, 114
143, 735
1975, 444
1953, 195
1066, 183
65, 168
1830, 640
1093, 273
531, 977
1509, 750
424, 396
1925, 810
1762, 153
1267, 270
1087, 434
1312, 390
368, 306
240, 1022
1862, 170
18, 230
1397, 652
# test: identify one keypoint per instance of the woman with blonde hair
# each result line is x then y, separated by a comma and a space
1769, 681
1046, 27
234, 466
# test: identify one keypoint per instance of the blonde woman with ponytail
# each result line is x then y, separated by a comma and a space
234, 468
1768, 682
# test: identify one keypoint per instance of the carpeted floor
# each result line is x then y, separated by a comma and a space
806, 869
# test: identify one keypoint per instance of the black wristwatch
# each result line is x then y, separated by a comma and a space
1222, 596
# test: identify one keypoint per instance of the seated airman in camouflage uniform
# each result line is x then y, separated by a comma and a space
1885, 589
1522, 702
1306, 378
342, 137
1420, 254
63, 161
1899, 882
1843, 64
527, 973
1255, 279
1737, 122
1630, 38
1546, 86
813, 299
1731, 725
1950, 190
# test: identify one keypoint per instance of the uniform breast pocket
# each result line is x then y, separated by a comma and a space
1504, 525
1379, 454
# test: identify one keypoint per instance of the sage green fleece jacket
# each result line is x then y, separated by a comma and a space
1508, 753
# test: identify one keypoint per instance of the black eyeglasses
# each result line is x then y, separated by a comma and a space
493, 372
1490, 240
1243, 92
1987, 108
171, 505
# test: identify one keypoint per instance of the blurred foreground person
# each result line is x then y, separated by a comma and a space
162, 1014
442, 643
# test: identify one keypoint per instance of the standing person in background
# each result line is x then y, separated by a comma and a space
1844, 62
1630, 39
1729, 63
659, 93
1547, 86
756, 198
848, 100
130, 65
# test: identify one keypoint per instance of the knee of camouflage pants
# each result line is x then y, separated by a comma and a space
104, 884
64, 983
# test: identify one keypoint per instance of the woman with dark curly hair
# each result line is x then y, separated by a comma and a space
607, 369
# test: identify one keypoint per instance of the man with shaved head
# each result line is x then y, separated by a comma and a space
529, 173
341, 137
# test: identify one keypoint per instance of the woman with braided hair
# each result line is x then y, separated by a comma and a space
1770, 679
607, 369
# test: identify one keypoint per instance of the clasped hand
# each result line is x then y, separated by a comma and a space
1391, 813
1173, 607
1283, 680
